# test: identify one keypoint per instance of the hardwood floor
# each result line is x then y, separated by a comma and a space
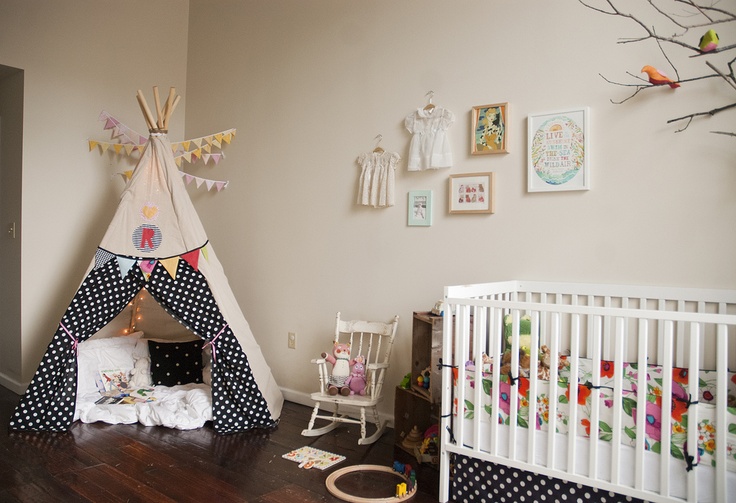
128, 463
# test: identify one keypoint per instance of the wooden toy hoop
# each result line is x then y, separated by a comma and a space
330, 483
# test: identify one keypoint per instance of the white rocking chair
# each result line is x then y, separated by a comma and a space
372, 341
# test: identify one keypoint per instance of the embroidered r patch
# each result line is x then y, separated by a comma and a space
147, 238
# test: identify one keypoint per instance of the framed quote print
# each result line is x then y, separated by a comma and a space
559, 152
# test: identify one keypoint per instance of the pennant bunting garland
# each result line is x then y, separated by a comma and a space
130, 142
218, 184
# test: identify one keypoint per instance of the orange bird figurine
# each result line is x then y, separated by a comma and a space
658, 78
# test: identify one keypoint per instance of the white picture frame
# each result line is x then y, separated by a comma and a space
558, 157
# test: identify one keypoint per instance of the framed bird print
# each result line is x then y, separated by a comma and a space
472, 193
490, 124
558, 151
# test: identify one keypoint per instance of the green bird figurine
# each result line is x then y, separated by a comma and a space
709, 41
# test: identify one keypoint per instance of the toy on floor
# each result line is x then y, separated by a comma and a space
341, 363
407, 489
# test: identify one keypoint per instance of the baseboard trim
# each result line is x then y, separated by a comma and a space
13, 385
305, 399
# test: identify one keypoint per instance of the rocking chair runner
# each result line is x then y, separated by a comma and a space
372, 341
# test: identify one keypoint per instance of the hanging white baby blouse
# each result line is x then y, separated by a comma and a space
376, 184
430, 148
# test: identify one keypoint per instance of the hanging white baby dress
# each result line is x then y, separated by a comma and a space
376, 184
430, 147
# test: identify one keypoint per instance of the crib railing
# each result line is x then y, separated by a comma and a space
675, 329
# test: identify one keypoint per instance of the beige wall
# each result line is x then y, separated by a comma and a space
309, 85
79, 58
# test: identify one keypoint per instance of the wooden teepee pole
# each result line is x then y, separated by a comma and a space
146, 111
161, 124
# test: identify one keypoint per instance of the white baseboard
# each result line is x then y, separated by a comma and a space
304, 399
13, 385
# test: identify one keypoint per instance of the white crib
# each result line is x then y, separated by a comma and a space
605, 335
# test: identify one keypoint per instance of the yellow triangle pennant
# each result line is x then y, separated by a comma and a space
198, 142
178, 161
174, 146
207, 148
118, 148
208, 139
127, 174
185, 144
228, 137
205, 253
104, 146
92, 145
197, 153
217, 144
219, 136
171, 265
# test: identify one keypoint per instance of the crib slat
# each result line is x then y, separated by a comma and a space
641, 404
692, 411
666, 410
496, 379
478, 336
554, 329
533, 385
595, 396
721, 409
618, 370
513, 395
572, 384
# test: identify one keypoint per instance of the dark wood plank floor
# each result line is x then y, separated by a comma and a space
128, 463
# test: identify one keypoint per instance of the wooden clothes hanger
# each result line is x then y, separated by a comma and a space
429, 107
378, 150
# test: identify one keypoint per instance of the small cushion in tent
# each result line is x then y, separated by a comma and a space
100, 354
175, 363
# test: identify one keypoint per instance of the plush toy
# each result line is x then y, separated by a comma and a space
525, 363
341, 363
356, 382
140, 374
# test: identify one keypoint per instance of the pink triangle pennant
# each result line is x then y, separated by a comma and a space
188, 178
220, 185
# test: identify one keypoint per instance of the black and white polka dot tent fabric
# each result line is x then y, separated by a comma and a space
237, 402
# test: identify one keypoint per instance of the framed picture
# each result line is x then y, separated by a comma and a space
489, 129
559, 152
472, 193
420, 208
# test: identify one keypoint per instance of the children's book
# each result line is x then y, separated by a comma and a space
109, 400
309, 457
114, 380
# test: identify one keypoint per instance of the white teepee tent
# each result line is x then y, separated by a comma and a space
156, 242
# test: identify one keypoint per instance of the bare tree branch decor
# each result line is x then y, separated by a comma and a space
704, 17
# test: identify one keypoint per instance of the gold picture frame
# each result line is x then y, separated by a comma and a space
489, 129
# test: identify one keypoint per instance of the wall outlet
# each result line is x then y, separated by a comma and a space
291, 340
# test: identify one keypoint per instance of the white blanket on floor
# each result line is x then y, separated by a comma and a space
183, 407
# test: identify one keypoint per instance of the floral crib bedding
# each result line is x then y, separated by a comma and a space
680, 405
